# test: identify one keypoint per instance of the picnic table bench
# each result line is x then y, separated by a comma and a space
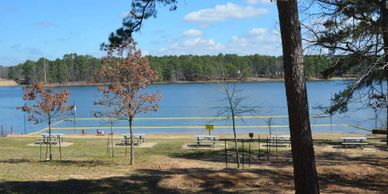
200, 139
138, 139
54, 138
353, 141
280, 141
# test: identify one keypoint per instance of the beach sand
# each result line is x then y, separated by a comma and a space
8, 83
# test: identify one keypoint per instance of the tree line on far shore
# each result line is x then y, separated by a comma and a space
81, 68
3, 72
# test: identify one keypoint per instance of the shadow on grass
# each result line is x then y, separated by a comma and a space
197, 180
333, 158
331, 181
191, 180
80, 163
279, 159
350, 176
15, 161
327, 142
368, 183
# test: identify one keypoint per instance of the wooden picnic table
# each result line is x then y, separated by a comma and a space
201, 138
280, 140
139, 138
353, 141
54, 139
281, 137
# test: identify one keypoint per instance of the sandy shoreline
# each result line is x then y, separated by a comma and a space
6, 83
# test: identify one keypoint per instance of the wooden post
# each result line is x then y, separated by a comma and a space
111, 143
107, 146
258, 140
226, 155
249, 153
40, 150
126, 148
242, 153
276, 147
268, 147
60, 148
47, 149
331, 116
111, 139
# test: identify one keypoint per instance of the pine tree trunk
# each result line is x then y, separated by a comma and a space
132, 155
305, 174
384, 24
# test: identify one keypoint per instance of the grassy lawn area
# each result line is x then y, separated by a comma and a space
167, 168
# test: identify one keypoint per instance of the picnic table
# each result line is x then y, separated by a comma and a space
353, 141
280, 140
200, 139
54, 138
138, 138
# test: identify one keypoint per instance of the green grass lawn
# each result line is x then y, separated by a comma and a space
86, 167
87, 162
80, 158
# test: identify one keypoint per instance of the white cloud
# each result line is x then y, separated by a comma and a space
192, 32
210, 43
258, 31
255, 41
254, 2
196, 46
223, 12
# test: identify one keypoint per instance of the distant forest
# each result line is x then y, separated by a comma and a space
81, 68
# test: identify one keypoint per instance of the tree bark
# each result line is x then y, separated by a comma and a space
132, 155
305, 174
384, 24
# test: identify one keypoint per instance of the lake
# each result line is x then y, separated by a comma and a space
182, 104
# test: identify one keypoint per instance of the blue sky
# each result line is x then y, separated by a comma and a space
31, 29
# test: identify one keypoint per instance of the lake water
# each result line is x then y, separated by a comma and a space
196, 100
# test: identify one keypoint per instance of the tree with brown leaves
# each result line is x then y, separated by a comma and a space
129, 73
45, 104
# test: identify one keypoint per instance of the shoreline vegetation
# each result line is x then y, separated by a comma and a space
8, 83
74, 69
